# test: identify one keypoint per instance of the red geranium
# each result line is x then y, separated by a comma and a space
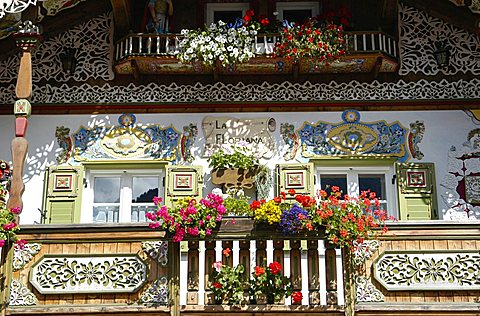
217, 285
275, 267
259, 271
297, 297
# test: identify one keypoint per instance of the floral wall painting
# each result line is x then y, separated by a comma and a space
415, 136
353, 138
226, 133
291, 140
187, 140
462, 181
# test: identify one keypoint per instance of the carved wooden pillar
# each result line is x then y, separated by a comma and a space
244, 257
331, 273
193, 271
295, 265
261, 252
313, 273
209, 260
227, 257
27, 39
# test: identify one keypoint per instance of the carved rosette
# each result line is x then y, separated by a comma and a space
21, 256
20, 295
364, 251
157, 250
366, 291
156, 294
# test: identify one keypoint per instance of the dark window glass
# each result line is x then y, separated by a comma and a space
144, 189
374, 183
227, 16
329, 180
298, 16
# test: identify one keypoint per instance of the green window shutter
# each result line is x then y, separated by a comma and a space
416, 191
181, 182
295, 176
63, 194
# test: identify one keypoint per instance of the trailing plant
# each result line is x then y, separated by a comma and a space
236, 202
234, 157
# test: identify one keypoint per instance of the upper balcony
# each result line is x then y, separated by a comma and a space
155, 54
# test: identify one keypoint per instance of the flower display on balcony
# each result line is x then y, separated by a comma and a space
8, 223
218, 42
188, 217
232, 157
228, 284
269, 281
312, 40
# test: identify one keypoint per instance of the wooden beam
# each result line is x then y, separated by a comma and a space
122, 16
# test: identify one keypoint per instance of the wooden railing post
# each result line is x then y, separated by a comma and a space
193, 273
174, 285
313, 273
348, 281
209, 260
331, 273
295, 266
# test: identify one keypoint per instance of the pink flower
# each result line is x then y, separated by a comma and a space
208, 217
219, 218
217, 266
151, 216
2, 243
154, 225
16, 210
179, 235
9, 226
208, 231
157, 200
21, 243
221, 209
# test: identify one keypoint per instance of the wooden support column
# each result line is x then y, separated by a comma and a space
295, 265
193, 271
331, 273
174, 285
244, 256
227, 259
261, 252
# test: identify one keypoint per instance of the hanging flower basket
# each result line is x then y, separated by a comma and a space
234, 177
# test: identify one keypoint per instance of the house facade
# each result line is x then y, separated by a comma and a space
117, 119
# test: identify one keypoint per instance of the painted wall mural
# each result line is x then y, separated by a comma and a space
462, 182
352, 137
415, 136
126, 141
419, 30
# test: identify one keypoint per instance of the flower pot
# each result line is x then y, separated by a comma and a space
261, 299
234, 177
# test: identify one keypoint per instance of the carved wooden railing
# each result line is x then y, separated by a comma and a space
140, 44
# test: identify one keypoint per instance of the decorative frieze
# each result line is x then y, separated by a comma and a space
21, 256
364, 251
156, 294
20, 295
60, 274
428, 270
157, 250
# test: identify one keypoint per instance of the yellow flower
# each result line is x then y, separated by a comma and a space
269, 212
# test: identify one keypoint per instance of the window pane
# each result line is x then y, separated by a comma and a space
374, 183
227, 16
139, 211
106, 190
144, 189
329, 180
298, 16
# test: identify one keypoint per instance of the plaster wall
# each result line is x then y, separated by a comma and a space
444, 129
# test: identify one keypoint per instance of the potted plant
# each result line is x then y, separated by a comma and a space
228, 284
188, 217
233, 167
268, 284
236, 203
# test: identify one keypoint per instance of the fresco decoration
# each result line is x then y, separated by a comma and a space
418, 29
62, 274
126, 141
366, 291
242, 92
415, 136
428, 270
52, 7
291, 140
353, 138
21, 256
65, 143
92, 43
156, 294
20, 295
462, 182
189, 135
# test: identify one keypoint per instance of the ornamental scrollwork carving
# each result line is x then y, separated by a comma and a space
418, 29
366, 291
157, 250
415, 136
291, 140
156, 294
55, 274
241, 92
364, 251
21, 256
428, 271
64, 141
20, 295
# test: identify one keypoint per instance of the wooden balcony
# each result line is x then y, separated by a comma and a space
154, 54
129, 269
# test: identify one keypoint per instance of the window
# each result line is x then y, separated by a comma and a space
227, 12
353, 180
296, 11
120, 195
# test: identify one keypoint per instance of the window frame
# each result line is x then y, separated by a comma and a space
300, 5
212, 7
126, 190
352, 173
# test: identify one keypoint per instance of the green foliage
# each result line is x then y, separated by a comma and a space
236, 202
237, 157
228, 284
270, 281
